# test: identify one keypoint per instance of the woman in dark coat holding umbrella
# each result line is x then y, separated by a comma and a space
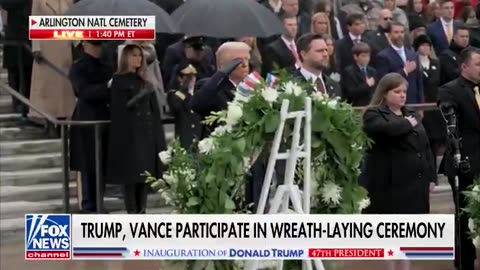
136, 133
399, 167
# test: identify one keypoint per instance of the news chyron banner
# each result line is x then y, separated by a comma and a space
92, 27
239, 237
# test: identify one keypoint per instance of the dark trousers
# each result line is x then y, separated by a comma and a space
89, 192
135, 198
254, 181
21, 83
435, 145
464, 246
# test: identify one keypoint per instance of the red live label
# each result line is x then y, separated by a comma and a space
92, 34
345, 253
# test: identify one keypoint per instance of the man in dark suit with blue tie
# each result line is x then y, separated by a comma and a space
397, 58
441, 32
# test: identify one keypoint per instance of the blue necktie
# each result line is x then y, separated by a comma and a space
365, 72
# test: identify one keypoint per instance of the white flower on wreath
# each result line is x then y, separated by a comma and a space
356, 147
165, 156
241, 98
471, 225
188, 174
363, 204
319, 96
292, 88
234, 113
246, 164
476, 241
333, 104
206, 145
221, 130
331, 193
166, 197
169, 179
270, 95
477, 190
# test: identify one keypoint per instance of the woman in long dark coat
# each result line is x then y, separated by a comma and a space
399, 167
136, 133
432, 121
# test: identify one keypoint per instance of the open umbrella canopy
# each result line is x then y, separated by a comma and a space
163, 21
226, 19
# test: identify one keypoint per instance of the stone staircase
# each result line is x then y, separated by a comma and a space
31, 172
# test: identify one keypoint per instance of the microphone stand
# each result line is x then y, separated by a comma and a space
462, 166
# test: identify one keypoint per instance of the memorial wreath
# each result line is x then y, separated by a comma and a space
210, 178
473, 211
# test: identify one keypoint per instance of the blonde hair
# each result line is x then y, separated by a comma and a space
123, 65
385, 85
317, 16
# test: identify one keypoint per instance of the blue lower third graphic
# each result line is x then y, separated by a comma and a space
267, 253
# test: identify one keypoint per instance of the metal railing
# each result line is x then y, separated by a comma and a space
65, 124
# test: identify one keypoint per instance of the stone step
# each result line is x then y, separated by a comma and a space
34, 193
4, 93
9, 119
6, 104
33, 177
22, 133
29, 162
30, 147
16, 224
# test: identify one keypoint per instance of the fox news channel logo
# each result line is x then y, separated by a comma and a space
47, 237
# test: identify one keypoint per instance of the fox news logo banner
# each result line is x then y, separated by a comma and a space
92, 27
47, 237
263, 237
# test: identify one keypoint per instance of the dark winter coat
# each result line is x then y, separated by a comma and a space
399, 166
89, 77
433, 121
136, 131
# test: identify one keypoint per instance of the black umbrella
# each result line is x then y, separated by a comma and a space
163, 21
226, 19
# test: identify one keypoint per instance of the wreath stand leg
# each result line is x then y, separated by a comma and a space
289, 192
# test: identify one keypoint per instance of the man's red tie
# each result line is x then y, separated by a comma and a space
295, 54
320, 86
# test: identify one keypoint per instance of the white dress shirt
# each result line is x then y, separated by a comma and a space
445, 26
310, 77
359, 38
401, 52
292, 47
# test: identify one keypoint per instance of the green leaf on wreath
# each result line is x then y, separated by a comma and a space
320, 124
272, 121
240, 144
229, 204
192, 201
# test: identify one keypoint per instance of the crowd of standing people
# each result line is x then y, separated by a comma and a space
386, 54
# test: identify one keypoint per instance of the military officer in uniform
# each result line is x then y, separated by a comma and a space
90, 78
188, 127
463, 96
